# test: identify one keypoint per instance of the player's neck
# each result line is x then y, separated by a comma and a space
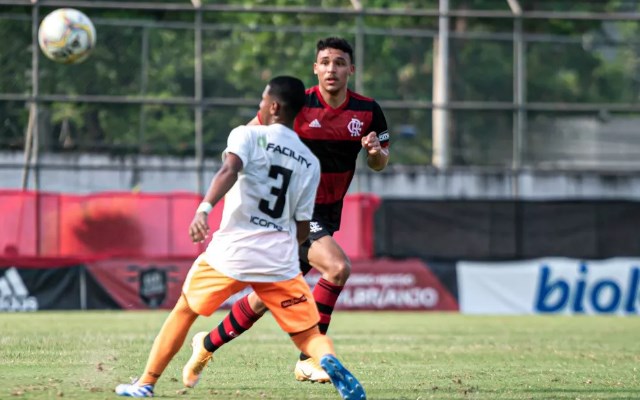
336, 99
275, 120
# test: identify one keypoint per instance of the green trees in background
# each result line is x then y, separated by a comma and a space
567, 61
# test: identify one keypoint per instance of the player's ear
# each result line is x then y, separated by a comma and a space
315, 68
275, 108
352, 69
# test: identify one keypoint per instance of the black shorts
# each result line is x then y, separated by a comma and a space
319, 227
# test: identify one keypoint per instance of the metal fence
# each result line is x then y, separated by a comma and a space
501, 87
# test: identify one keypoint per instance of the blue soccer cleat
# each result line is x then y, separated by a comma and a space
134, 390
347, 384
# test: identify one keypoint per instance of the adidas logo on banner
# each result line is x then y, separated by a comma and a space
315, 124
14, 295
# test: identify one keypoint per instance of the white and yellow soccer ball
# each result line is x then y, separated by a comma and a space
67, 36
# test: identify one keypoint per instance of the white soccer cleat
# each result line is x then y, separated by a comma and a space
310, 370
200, 357
134, 390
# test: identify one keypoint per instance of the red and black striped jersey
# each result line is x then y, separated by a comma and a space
334, 136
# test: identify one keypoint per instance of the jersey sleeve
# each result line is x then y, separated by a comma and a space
379, 125
239, 143
304, 210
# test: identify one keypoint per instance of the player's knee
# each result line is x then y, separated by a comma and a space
260, 308
339, 272
256, 304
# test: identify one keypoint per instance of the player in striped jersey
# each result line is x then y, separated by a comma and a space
269, 180
335, 123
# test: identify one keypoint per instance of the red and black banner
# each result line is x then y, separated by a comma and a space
141, 284
386, 284
138, 284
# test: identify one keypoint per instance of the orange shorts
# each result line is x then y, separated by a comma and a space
290, 301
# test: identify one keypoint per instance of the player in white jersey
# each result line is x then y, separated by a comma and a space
256, 241
269, 180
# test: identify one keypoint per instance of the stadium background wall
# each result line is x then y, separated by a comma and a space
507, 230
125, 251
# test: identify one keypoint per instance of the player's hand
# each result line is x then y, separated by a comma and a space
371, 143
199, 228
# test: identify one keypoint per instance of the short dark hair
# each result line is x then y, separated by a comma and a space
335, 43
289, 91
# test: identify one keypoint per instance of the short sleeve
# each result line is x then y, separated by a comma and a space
304, 211
239, 143
379, 125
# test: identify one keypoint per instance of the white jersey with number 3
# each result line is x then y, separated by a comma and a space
277, 186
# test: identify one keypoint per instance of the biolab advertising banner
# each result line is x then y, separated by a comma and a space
550, 286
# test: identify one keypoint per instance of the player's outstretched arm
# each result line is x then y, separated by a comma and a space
377, 156
220, 185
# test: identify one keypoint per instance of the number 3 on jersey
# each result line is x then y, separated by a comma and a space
279, 192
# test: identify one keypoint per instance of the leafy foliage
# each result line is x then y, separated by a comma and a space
150, 54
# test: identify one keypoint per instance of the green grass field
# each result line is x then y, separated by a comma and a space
84, 355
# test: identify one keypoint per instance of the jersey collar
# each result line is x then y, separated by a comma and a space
341, 107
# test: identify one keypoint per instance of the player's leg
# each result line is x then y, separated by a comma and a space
244, 313
320, 347
292, 306
205, 294
334, 265
324, 254
165, 346
196, 299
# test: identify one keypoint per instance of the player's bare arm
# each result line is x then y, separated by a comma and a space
302, 231
377, 156
220, 185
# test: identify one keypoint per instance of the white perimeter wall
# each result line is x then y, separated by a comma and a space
86, 173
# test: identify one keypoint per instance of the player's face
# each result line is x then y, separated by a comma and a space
333, 68
265, 106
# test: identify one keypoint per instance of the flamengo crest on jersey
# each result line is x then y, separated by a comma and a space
277, 186
355, 127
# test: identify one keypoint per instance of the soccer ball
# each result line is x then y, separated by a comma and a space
67, 36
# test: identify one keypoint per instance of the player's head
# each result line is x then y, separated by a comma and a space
282, 100
334, 64
335, 43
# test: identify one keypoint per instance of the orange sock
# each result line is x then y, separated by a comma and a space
313, 343
168, 342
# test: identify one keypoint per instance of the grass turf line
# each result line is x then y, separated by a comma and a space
404, 355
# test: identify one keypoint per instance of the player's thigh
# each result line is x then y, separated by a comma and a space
325, 254
205, 288
290, 302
